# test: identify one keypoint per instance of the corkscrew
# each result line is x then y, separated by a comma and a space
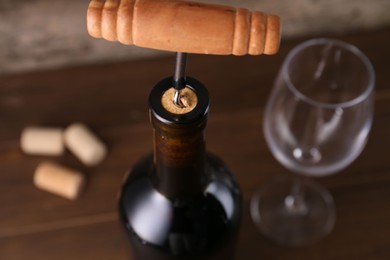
184, 27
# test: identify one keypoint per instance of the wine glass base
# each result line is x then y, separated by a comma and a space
293, 211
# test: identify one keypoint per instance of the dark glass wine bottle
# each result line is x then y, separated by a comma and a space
180, 202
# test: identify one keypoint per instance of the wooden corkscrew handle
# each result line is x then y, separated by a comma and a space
181, 26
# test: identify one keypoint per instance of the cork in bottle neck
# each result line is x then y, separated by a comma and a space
164, 114
188, 100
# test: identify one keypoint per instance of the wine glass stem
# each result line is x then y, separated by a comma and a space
295, 202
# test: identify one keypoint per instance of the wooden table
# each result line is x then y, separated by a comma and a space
112, 100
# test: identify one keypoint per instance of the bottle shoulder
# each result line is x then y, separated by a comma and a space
155, 219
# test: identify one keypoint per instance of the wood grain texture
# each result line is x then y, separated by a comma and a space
112, 100
184, 26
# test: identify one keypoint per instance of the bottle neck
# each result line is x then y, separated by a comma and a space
179, 164
179, 144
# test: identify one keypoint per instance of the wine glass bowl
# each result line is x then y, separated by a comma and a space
316, 123
319, 114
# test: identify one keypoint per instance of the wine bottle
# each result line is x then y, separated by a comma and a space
180, 202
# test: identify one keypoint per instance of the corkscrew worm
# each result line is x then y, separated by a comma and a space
179, 78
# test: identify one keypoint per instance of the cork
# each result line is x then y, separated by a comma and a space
188, 98
84, 144
59, 180
42, 141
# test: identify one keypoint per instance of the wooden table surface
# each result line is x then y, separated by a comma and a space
112, 100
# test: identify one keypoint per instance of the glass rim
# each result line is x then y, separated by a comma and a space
344, 45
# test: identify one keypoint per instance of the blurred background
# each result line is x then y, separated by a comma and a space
40, 35
47, 34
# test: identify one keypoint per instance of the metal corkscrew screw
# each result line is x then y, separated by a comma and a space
179, 78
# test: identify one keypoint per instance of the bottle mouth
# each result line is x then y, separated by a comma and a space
196, 114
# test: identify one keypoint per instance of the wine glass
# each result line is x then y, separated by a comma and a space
316, 123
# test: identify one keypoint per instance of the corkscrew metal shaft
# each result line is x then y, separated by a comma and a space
179, 78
